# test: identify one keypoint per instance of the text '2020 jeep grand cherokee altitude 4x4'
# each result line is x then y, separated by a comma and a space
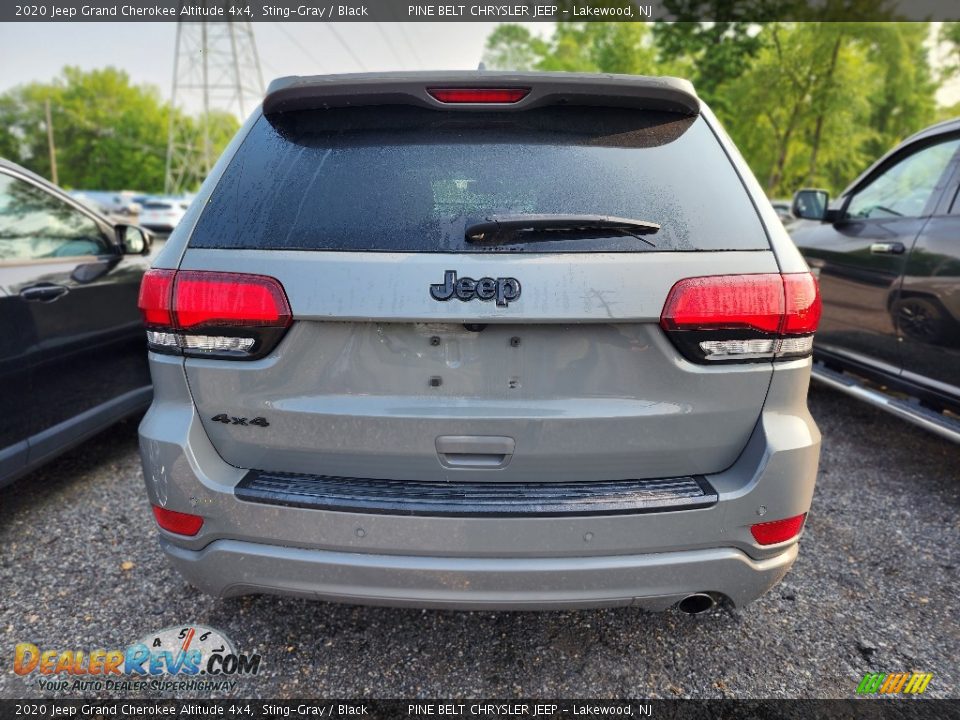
481, 340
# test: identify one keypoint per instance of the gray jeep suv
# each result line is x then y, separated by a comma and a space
481, 340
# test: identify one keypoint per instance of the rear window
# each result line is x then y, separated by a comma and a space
157, 206
411, 180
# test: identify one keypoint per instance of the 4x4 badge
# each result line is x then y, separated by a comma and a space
503, 289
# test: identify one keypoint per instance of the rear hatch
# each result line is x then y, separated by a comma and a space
548, 363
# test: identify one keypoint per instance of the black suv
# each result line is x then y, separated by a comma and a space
72, 351
887, 253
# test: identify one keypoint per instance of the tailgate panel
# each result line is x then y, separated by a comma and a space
573, 381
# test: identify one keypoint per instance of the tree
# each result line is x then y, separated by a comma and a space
950, 37
905, 101
808, 103
711, 54
513, 47
822, 100
109, 133
796, 108
616, 47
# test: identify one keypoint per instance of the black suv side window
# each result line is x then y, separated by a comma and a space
35, 225
905, 188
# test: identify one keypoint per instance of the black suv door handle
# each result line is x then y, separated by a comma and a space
46, 292
888, 248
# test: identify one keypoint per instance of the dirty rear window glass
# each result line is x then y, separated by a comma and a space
412, 180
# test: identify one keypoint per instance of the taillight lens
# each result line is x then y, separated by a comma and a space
203, 314
736, 318
802, 315
778, 531
493, 96
204, 299
177, 522
156, 295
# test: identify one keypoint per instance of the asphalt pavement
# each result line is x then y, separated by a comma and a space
874, 590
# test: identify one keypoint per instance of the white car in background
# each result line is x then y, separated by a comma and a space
162, 214
106, 202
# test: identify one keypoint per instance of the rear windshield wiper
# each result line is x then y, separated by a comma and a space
496, 227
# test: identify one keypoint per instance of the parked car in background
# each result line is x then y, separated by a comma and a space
574, 376
161, 214
71, 353
887, 252
89, 201
784, 210
122, 203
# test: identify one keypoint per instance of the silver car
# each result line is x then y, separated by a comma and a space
481, 340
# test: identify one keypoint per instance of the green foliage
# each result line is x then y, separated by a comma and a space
950, 37
109, 134
710, 53
949, 112
574, 47
513, 47
808, 103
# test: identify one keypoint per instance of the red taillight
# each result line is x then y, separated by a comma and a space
203, 314
730, 318
231, 299
156, 294
723, 302
778, 531
177, 522
479, 95
803, 304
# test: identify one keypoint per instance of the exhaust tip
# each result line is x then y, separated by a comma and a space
696, 603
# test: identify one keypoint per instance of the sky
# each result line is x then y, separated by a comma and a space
37, 51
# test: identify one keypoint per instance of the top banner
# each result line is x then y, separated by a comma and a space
467, 11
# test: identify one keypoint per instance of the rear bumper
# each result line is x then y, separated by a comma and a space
655, 581
651, 560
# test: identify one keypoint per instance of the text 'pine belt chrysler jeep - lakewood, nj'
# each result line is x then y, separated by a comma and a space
481, 340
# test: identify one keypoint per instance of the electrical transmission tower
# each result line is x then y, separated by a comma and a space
215, 68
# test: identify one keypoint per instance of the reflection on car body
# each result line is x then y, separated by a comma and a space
71, 356
887, 253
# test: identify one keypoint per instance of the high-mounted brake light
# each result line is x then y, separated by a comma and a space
177, 522
778, 531
479, 95
202, 314
732, 318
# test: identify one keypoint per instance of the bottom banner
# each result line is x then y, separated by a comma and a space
908, 709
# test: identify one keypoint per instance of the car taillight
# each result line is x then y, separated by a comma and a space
736, 318
778, 531
156, 292
479, 95
177, 522
213, 314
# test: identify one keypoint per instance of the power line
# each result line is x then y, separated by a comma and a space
296, 42
346, 47
389, 43
216, 67
406, 39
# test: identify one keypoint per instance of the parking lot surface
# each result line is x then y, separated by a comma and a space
874, 590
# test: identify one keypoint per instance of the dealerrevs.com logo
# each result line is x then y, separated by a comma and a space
192, 657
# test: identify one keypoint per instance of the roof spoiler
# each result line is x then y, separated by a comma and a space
410, 88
